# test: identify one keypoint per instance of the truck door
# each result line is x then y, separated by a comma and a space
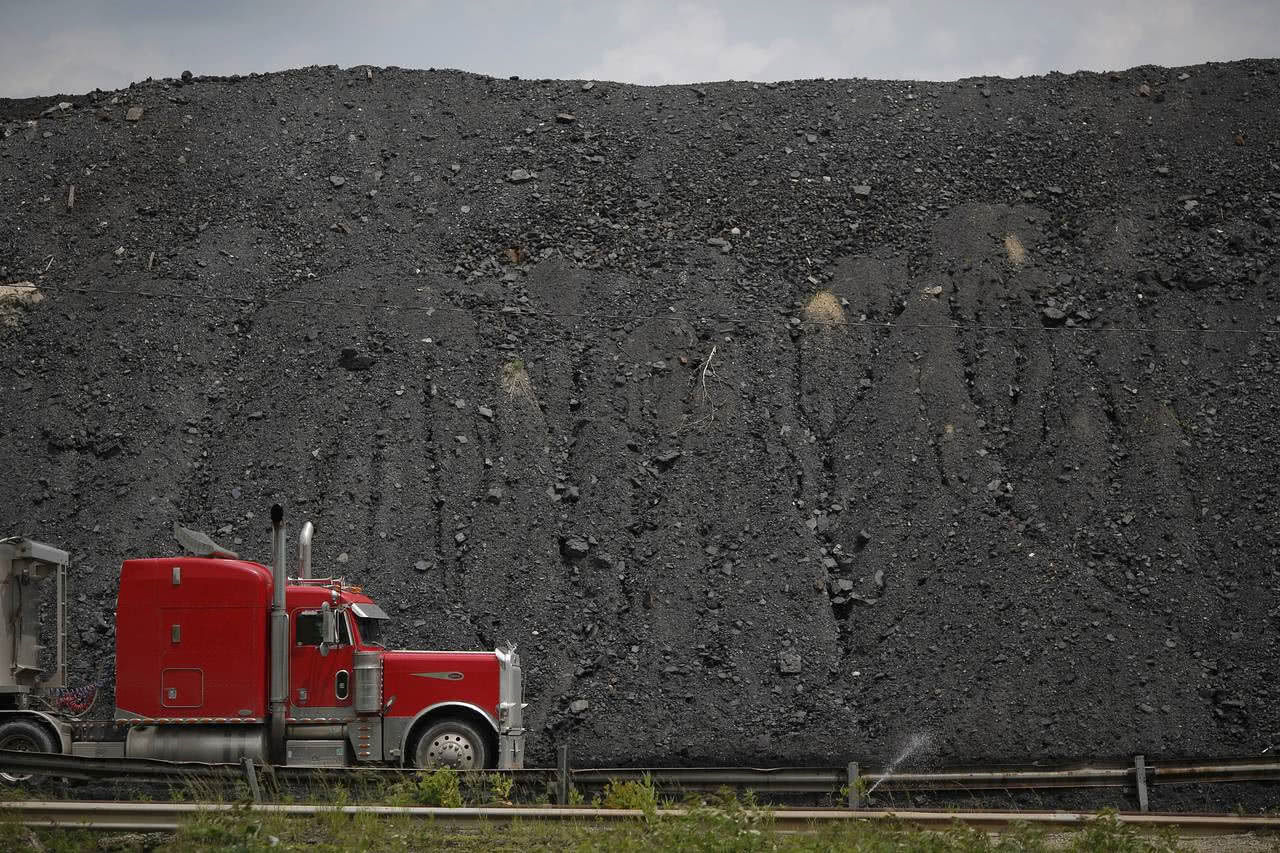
321, 681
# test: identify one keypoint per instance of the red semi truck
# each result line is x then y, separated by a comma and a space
220, 659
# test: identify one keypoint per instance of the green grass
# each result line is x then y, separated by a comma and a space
440, 788
727, 825
726, 821
640, 795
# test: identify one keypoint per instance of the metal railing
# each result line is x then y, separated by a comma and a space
150, 817
851, 779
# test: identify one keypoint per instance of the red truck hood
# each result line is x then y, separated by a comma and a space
419, 680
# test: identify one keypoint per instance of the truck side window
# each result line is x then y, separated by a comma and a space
310, 630
344, 632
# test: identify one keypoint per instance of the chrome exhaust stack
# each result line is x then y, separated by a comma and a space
279, 636
304, 550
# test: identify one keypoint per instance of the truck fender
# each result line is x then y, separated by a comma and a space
60, 728
408, 729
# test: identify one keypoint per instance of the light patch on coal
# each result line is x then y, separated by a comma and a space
560, 382
15, 298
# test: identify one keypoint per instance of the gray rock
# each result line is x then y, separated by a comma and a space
337, 180
421, 566
566, 118
574, 548
352, 360
495, 494
133, 114
1053, 316
667, 459
578, 707
186, 76
790, 663
485, 412
344, 558
1054, 190
588, 86
519, 176
861, 189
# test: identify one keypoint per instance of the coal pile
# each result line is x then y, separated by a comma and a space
776, 423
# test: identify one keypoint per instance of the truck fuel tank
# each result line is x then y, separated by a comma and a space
211, 744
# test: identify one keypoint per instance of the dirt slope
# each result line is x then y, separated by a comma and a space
775, 423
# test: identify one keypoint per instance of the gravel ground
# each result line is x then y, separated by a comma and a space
776, 423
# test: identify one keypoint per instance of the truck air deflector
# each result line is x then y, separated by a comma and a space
368, 611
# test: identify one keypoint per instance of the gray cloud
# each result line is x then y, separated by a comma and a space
57, 46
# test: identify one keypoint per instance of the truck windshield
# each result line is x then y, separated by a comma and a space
370, 629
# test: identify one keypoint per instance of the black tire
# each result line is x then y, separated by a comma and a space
451, 743
25, 736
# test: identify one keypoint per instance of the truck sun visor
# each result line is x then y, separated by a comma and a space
368, 611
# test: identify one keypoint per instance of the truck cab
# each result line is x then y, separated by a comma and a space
452, 708
193, 672
219, 659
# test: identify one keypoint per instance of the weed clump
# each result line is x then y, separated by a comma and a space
824, 309
631, 794
1014, 249
515, 381
439, 788
485, 788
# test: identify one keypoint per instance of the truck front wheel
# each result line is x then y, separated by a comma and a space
24, 736
451, 743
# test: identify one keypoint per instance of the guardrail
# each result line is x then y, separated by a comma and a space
151, 817
812, 780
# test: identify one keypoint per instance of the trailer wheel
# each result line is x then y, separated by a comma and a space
451, 743
25, 736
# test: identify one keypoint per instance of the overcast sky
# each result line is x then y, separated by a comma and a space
52, 46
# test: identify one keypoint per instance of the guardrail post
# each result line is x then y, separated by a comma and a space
562, 774
1140, 773
855, 794
251, 776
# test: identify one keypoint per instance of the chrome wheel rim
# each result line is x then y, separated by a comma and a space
449, 749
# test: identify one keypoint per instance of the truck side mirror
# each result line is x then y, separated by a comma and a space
328, 629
